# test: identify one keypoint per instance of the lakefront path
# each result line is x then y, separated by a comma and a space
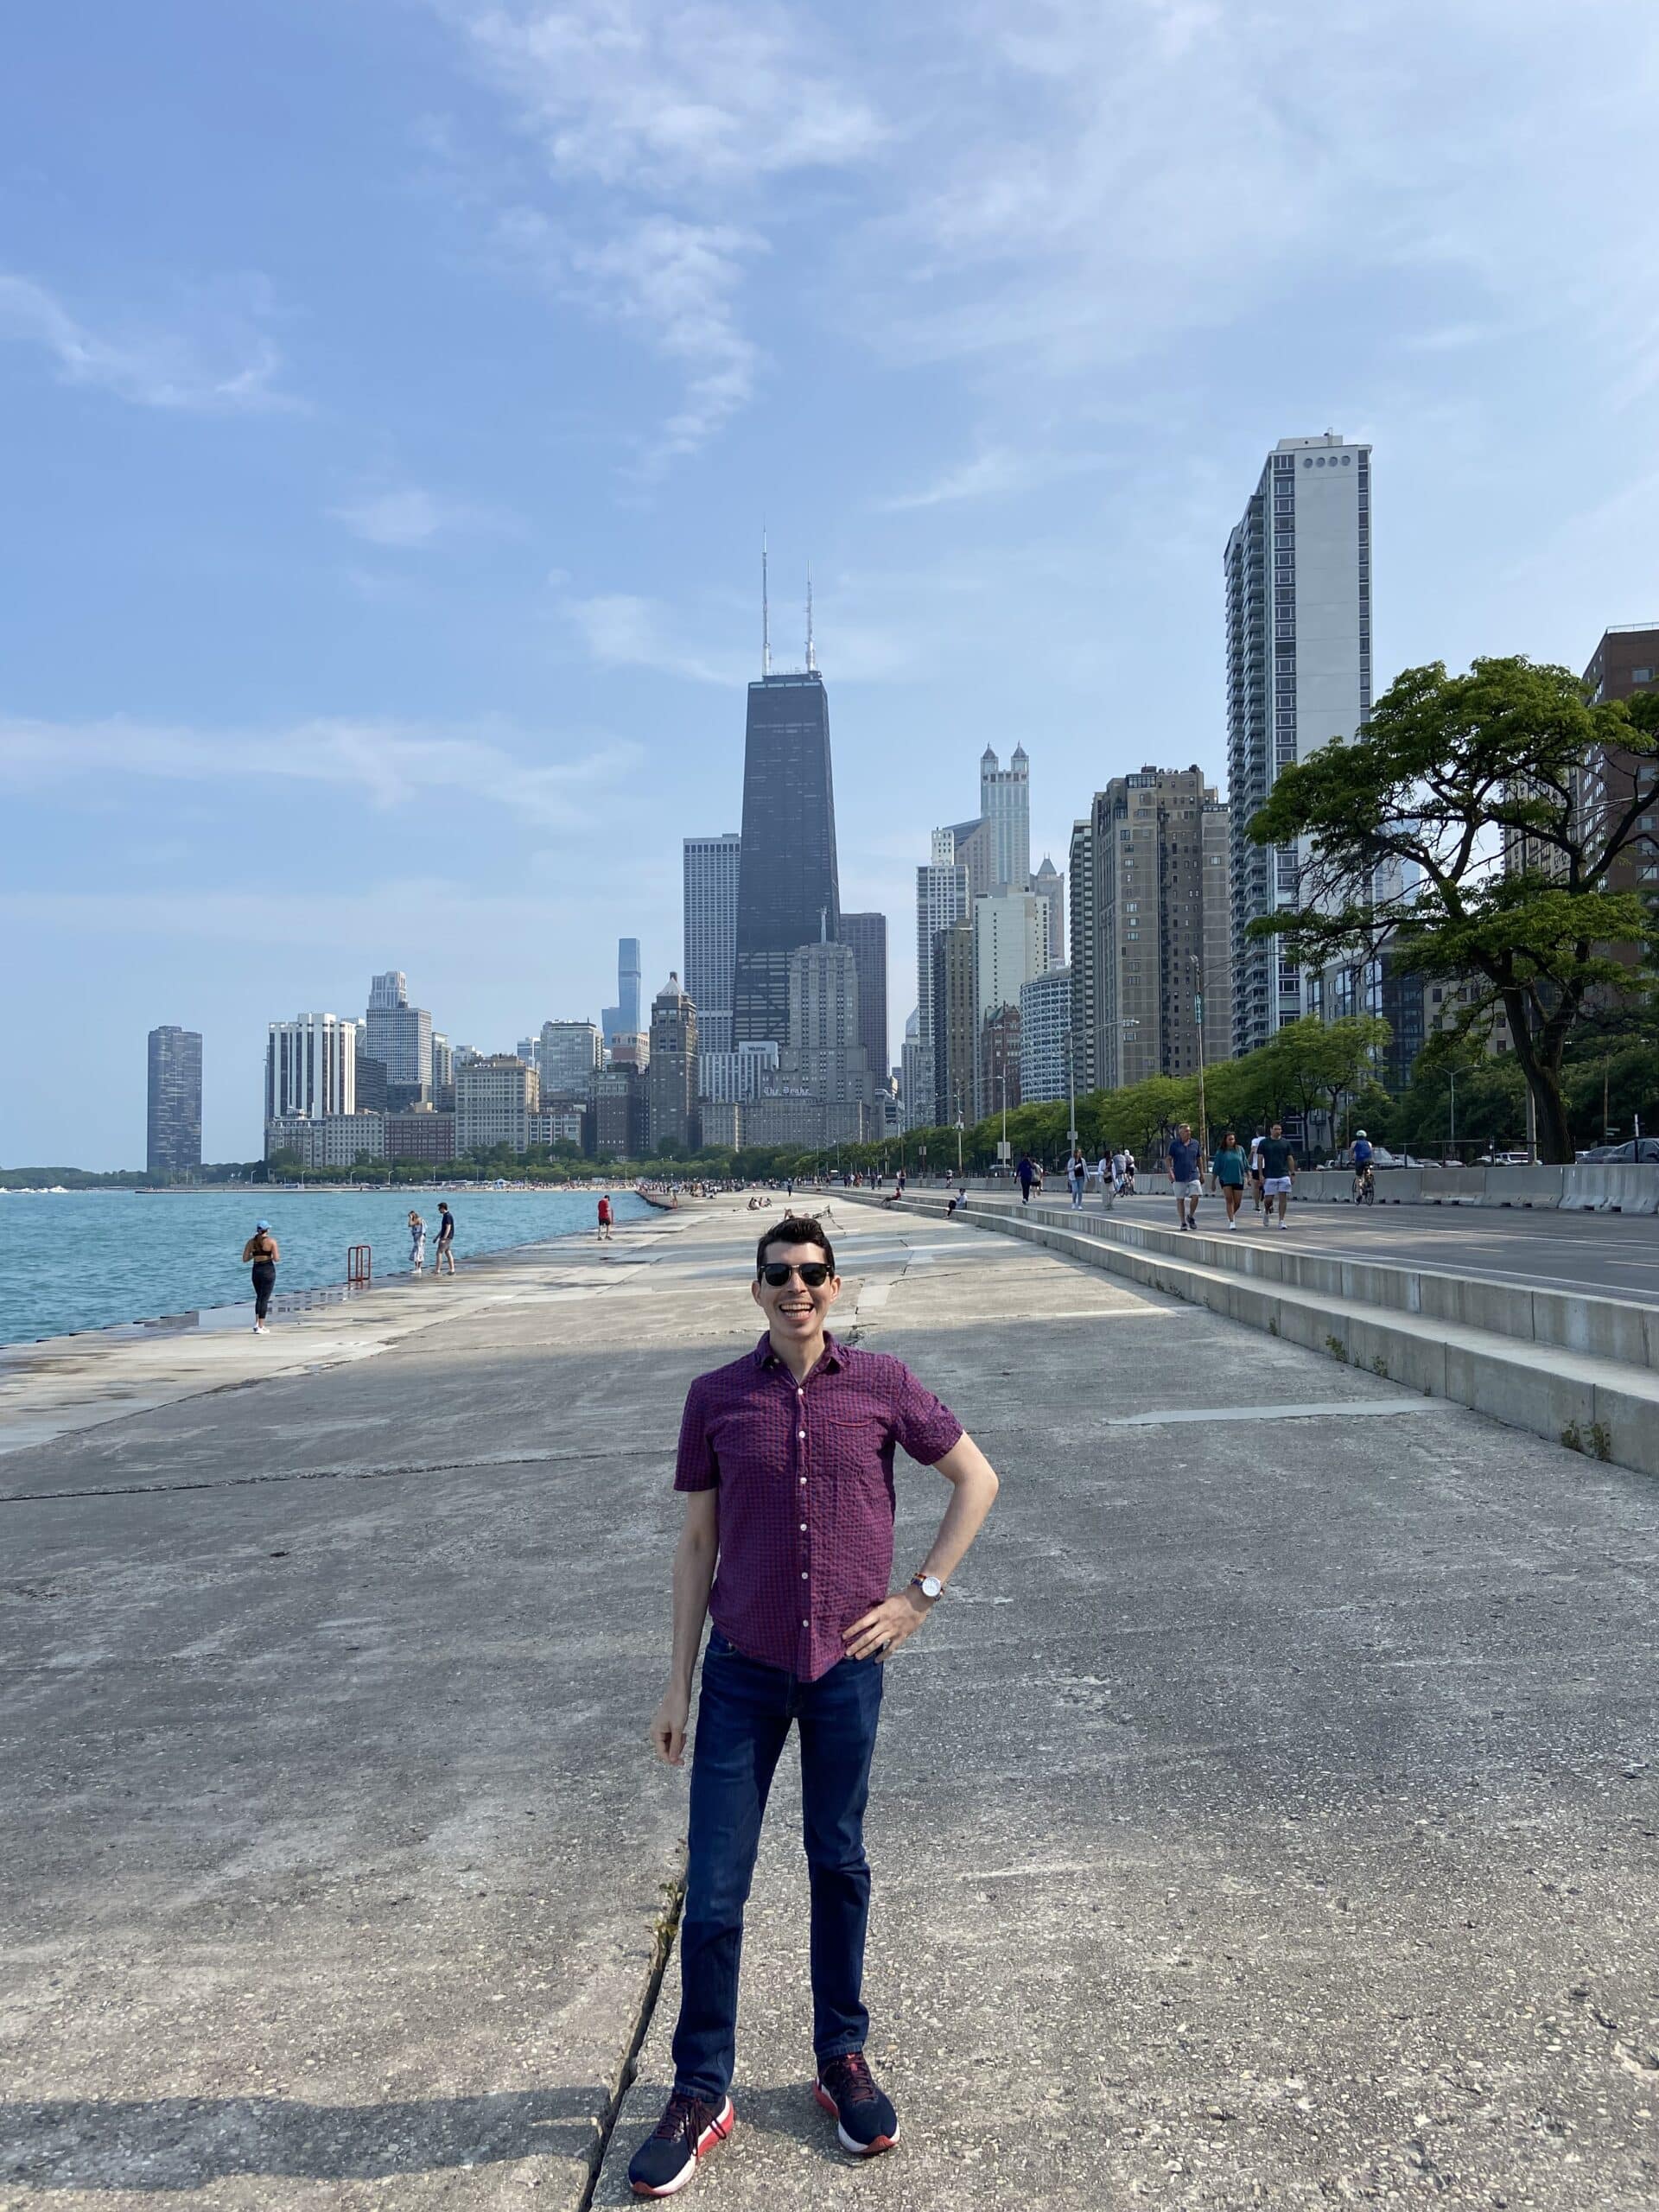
1267, 1815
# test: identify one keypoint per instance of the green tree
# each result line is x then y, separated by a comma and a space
1452, 778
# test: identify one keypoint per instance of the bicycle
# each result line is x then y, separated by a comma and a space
1364, 1185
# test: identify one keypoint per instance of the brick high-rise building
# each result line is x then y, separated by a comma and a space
1150, 917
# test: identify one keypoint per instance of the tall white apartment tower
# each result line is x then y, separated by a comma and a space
711, 869
1299, 673
1004, 803
310, 1066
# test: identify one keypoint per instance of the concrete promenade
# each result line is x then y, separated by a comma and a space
1269, 1817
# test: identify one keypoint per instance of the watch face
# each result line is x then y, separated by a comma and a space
931, 1586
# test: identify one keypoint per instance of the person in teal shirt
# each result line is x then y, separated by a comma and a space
1226, 1174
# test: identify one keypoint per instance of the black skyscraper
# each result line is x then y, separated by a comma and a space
787, 891
174, 1130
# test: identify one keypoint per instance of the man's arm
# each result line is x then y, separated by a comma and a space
694, 1575
973, 1483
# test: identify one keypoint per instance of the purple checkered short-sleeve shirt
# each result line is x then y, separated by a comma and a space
805, 1473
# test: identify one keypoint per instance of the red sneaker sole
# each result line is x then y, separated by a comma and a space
710, 2139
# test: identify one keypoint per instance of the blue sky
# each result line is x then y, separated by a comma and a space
394, 391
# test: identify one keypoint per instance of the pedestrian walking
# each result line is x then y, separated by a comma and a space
1108, 1181
1186, 1173
445, 1249
1278, 1173
1256, 1143
786, 1461
607, 1219
417, 1243
1027, 1171
1227, 1171
261, 1253
1120, 1165
1077, 1174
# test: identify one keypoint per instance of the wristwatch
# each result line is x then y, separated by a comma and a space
929, 1585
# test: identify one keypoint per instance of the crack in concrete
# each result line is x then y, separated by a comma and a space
340, 1474
668, 1922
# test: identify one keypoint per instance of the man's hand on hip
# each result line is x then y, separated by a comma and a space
878, 1634
668, 1727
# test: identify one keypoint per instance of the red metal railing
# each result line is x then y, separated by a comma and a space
359, 1263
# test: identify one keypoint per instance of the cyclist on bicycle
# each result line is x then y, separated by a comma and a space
1363, 1170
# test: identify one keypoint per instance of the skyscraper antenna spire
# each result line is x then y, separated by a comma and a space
811, 658
766, 611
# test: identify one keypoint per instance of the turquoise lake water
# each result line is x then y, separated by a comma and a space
89, 1258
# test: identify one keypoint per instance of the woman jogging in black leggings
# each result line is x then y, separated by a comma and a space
262, 1248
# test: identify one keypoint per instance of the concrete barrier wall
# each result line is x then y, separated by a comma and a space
1585, 1377
1589, 1187
1603, 1328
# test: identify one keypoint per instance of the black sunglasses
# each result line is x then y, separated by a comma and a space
813, 1272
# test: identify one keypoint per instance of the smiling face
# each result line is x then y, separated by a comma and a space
795, 1311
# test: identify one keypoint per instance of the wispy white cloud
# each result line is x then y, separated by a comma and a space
388, 764
406, 518
666, 96
681, 112
994, 472
676, 283
217, 361
400, 911
620, 630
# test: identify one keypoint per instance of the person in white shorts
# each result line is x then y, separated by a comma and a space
1186, 1173
1278, 1173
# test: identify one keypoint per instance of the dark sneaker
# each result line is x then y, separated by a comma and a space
865, 2120
688, 2130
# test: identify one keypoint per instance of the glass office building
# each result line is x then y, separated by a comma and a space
788, 891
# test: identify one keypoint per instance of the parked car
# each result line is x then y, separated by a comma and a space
1635, 1150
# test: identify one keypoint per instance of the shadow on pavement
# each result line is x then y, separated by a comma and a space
174, 2143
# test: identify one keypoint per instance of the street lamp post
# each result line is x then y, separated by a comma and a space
1071, 1089
1197, 1017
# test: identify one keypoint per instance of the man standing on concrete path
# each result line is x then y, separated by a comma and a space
1186, 1173
446, 1238
1227, 1173
1278, 1173
607, 1218
786, 1459
1108, 1181
1027, 1171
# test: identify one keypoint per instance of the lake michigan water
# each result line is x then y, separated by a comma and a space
89, 1258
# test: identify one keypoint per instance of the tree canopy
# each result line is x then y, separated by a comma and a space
1468, 827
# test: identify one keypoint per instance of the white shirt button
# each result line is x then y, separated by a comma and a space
805, 1624
803, 1574
803, 1528
801, 1433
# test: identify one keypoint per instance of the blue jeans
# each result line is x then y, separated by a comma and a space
743, 1718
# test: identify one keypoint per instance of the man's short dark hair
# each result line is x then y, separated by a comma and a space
796, 1229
